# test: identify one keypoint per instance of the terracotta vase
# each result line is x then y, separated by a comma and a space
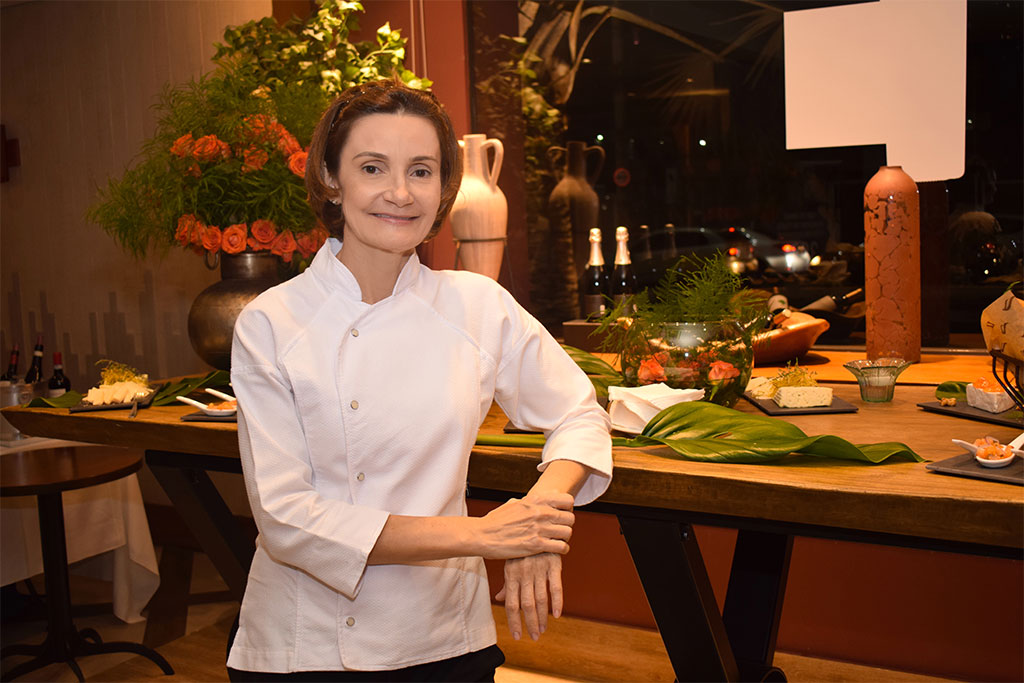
480, 213
573, 205
211, 320
892, 265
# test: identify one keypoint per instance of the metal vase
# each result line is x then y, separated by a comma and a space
211, 320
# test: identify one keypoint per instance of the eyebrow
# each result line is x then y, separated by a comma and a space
384, 157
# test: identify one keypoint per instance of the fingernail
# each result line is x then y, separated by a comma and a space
535, 636
515, 636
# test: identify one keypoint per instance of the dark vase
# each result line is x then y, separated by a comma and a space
211, 321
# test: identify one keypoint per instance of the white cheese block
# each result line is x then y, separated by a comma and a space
989, 401
760, 387
803, 397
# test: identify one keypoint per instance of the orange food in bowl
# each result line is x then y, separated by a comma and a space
223, 405
990, 449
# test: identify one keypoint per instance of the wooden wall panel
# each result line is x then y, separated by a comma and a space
78, 83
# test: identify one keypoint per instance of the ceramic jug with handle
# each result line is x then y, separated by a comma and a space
480, 213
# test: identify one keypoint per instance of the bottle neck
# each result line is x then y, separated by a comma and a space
596, 257
621, 253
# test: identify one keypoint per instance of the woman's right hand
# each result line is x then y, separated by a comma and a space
542, 524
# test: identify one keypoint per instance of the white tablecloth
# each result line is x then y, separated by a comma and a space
104, 523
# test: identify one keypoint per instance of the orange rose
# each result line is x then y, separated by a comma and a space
211, 238
253, 159
650, 371
306, 243
211, 148
182, 147
232, 240
258, 128
261, 235
196, 237
297, 164
184, 232
284, 246
286, 142
720, 369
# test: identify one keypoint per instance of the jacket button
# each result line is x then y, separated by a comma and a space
350, 621
355, 333
355, 405
360, 476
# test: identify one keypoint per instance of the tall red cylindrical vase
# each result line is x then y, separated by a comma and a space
892, 265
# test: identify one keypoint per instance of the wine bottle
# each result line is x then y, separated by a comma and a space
12, 367
837, 304
595, 279
777, 303
35, 371
623, 281
673, 248
645, 268
59, 384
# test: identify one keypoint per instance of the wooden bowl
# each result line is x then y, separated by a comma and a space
786, 343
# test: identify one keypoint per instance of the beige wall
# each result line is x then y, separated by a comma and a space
78, 82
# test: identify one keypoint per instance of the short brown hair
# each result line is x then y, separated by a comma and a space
376, 97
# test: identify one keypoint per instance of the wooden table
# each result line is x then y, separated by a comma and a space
657, 499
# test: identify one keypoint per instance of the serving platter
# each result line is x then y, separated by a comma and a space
971, 413
144, 402
200, 416
965, 465
769, 406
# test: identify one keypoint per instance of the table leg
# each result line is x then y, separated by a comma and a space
207, 516
671, 569
753, 603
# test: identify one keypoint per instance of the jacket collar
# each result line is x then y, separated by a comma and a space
337, 276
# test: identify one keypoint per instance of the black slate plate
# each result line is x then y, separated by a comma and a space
769, 406
971, 413
144, 403
200, 416
964, 465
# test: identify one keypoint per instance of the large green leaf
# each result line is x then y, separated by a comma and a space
65, 400
186, 385
706, 432
601, 374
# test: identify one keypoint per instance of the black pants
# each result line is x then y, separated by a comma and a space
468, 668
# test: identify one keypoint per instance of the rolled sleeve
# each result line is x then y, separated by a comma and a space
540, 387
328, 539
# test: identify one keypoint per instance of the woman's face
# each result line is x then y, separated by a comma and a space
390, 182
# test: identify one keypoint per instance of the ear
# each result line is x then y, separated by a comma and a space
331, 183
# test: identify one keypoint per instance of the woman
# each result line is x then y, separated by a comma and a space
361, 385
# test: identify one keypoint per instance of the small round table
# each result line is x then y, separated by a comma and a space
46, 473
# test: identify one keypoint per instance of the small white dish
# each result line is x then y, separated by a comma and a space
984, 462
203, 407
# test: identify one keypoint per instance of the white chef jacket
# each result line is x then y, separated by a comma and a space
350, 411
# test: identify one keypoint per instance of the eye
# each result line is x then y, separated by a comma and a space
422, 172
372, 169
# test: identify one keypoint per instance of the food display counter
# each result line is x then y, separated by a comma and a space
657, 500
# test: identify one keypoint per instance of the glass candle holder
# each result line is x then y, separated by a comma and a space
877, 378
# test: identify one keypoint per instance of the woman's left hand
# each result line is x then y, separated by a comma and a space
532, 585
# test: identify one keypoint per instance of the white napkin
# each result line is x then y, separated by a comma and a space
631, 408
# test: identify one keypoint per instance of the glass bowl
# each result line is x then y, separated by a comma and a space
877, 378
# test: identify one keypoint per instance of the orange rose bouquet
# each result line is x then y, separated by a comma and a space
225, 169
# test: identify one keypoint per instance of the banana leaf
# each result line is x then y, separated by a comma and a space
186, 385
601, 374
65, 400
957, 390
706, 432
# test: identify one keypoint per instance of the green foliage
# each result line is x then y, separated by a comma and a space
957, 390
185, 386
601, 374
705, 432
694, 290
285, 74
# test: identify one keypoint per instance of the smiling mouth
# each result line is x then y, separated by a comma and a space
393, 217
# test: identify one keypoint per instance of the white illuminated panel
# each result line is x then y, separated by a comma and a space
892, 72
